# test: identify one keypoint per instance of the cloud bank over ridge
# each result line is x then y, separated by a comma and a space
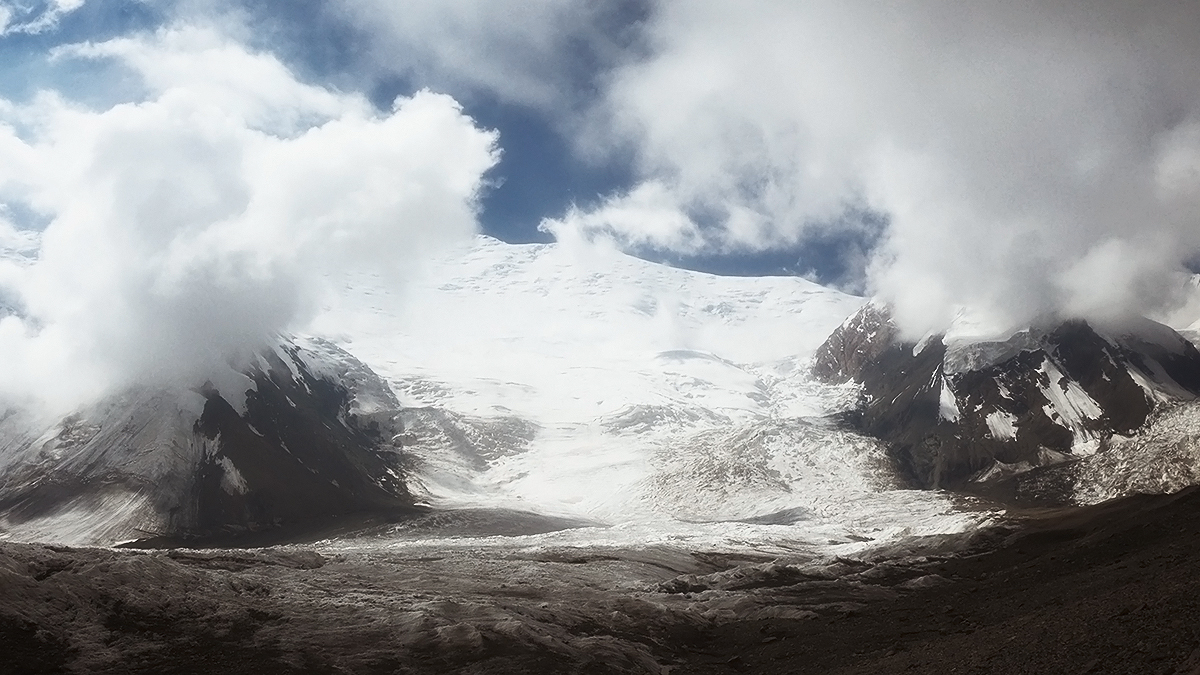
1031, 158
184, 228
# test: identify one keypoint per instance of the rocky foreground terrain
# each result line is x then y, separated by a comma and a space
1111, 588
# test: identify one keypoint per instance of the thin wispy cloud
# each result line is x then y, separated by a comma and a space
545, 54
34, 17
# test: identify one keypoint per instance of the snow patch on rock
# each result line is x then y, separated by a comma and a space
947, 403
1002, 425
232, 481
1069, 404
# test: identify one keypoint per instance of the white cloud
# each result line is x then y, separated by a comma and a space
647, 216
199, 65
1008, 142
187, 227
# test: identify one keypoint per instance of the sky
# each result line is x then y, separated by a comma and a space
207, 161
537, 95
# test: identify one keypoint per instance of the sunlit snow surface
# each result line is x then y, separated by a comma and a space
663, 405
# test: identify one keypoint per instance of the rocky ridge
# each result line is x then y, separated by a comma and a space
964, 413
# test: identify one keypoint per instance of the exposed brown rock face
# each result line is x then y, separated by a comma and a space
855, 345
951, 413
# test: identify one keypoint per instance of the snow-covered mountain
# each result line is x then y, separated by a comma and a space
959, 411
582, 375
591, 385
585, 383
576, 382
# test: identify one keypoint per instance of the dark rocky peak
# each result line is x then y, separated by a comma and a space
304, 432
302, 449
962, 411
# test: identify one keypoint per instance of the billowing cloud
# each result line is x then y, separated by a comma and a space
1031, 158
187, 227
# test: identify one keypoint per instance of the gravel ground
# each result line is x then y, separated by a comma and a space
1110, 588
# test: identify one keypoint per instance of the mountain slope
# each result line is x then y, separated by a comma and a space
306, 438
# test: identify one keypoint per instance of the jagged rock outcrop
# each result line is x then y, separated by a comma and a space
854, 345
959, 411
304, 432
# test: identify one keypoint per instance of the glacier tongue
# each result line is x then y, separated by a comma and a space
590, 384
